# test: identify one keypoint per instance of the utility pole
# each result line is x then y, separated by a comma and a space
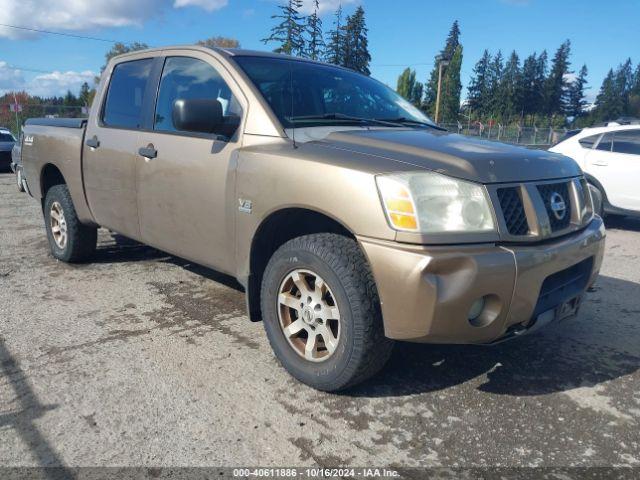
15, 103
443, 63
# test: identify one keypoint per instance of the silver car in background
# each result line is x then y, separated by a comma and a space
16, 163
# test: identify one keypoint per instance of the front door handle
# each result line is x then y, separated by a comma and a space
148, 152
93, 142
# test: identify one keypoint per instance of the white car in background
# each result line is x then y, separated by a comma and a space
610, 158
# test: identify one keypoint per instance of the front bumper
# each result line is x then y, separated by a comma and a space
426, 292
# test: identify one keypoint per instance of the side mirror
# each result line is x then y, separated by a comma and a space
197, 115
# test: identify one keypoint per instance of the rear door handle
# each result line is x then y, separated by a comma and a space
93, 142
148, 152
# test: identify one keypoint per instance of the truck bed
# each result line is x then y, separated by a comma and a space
56, 143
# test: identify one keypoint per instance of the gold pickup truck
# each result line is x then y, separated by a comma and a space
350, 218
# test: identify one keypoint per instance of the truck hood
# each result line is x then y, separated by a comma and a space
456, 155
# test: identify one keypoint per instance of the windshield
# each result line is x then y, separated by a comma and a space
6, 137
305, 94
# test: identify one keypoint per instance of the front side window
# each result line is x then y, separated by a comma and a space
606, 143
589, 142
627, 141
6, 137
123, 107
185, 78
306, 94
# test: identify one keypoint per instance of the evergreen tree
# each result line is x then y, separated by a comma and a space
335, 48
539, 100
451, 88
609, 102
528, 85
356, 45
634, 96
511, 88
289, 33
409, 88
315, 43
85, 94
478, 96
70, 100
446, 54
575, 96
624, 84
555, 91
495, 105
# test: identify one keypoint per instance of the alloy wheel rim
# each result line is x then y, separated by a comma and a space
309, 316
58, 225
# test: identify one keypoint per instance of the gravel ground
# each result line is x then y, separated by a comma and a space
141, 358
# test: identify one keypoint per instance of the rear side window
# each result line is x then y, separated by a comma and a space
125, 98
189, 78
627, 141
606, 142
6, 137
589, 142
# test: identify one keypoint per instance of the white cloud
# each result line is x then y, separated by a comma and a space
58, 83
78, 15
44, 85
208, 5
10, 78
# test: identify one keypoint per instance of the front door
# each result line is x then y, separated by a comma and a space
111, 145
186, 180
615, 163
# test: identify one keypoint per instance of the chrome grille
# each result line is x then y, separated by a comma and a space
529, 212
513, 211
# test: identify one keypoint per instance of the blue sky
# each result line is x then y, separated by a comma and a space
402, 32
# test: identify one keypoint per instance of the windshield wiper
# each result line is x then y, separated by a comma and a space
410, 121
347, 118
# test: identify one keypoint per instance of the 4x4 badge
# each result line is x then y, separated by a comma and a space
245, 205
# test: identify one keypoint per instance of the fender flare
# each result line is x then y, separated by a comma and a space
594, 181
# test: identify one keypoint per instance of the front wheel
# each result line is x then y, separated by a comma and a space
69, 240
321, 312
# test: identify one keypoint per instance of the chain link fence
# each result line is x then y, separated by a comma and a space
535, 137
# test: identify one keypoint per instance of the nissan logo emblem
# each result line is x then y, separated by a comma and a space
558, 206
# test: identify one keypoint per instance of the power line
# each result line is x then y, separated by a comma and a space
26, 69
72, 35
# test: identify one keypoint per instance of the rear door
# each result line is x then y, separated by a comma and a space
111, 144
186, 190
615, 163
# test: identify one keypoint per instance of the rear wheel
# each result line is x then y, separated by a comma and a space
321, 312
69, 240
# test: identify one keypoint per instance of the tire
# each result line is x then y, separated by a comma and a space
598, 200
19, 180
80, 240
361, 349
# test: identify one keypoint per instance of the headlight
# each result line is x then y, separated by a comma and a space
428, 202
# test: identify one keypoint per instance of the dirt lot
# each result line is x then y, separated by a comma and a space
140, 358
